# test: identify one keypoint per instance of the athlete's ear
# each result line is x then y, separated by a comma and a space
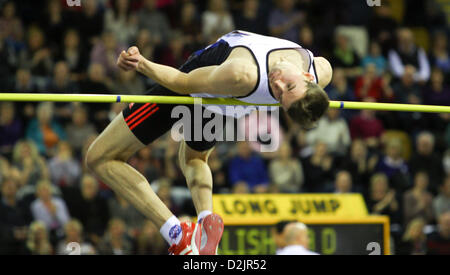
308, 76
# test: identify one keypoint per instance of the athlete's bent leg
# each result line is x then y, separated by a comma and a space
107, 158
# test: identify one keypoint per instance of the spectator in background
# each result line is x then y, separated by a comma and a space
439, 56
11, 128
343, 183
318, 169
65, 171
381, 199
145, 43
406, 54
249, 168
37, 56
153, 20
441, 203
175, 53
394, 166
345, 57
61, 81
285, 171
306, 39
438, 243
407, 90
285, 20
332, 130
189, 24
216, 20
278, 234
31, 165
367, 126
437, 92
417, 202
382, 26
414, 239
115, 241
128, 82
13, 219
38, 241
250, 18
90, 209
149, 241
218, 171
54, 23
121, 21
120, 208
74, 234
296, 240
340, 90
73, 54
8, 60
44, 131
105, 53
370, 84
52, 211
79, 130
10, 24
23, 82
89, 23
375, 57
426, 159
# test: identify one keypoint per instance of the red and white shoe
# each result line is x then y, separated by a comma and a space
212, 230
190, 241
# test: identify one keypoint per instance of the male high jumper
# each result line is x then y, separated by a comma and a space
252, 68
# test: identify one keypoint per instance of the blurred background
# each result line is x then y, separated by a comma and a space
400, 162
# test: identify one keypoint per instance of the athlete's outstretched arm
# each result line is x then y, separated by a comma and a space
230, 78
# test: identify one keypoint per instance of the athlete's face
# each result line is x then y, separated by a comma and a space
288, 83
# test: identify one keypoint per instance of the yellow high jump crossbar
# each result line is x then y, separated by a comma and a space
105, 98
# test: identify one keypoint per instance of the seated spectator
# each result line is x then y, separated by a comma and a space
149, 241
74, 234
306, 38
414, 239
31, 165
64, 169
121, 21
44, 131
105, 53
120, 208
394, 166
247, 167
439, 56
360, 165
73, 54
89, 23
115, 241
10, 23
38, 241
250, 18
438, 243
367, 126
406, 90
345, 57
128, 82
189, 23
332, 130
175, 54
382, 199
341, 90
437, 92
53, 22
218, 171
90, 209
318, 169
375, 57
426, 159
285, 20
240, 187
441, 203
14, 218
10, 128
371, 85
343, 183
52, 211
382, 25
61, 82
417, 202
79, 130
285, 171
153, 20
406, 54
23, 82
216, 20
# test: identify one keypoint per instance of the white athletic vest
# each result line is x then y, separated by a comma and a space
260, 46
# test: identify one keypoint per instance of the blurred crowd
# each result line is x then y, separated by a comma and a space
399, 162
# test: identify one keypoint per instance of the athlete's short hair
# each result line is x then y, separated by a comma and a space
309, 109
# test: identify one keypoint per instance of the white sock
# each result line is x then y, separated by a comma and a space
202, 215
171, 230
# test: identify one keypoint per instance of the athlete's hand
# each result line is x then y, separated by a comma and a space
130, 59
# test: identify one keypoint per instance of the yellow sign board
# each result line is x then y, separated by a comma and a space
253, 208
